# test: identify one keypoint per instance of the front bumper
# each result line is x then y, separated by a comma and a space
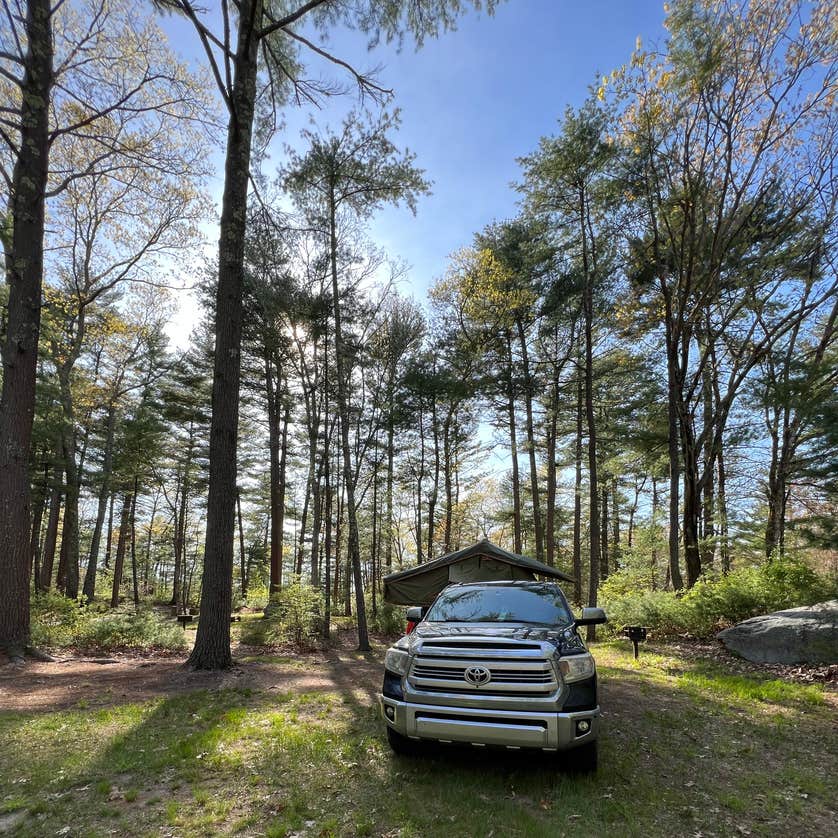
506, 728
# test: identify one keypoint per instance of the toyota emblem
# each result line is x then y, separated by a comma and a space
478, 675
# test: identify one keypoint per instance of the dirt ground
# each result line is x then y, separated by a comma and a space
98, 682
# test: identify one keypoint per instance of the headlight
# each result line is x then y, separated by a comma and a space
396, 661
577, 667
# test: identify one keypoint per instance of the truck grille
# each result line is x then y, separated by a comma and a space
513, 669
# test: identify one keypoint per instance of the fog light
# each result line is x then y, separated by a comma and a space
390, 713
582, 727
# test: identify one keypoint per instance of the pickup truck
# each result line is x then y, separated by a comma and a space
495, 664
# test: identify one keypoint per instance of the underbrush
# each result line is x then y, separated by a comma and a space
294, 617
58, 622
387, 619
715, 602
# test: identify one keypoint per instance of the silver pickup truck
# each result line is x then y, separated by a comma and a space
499, 664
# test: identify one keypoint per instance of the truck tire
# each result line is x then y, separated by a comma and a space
583, 760
402, 745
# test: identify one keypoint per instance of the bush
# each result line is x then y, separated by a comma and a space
295, 617
130, 629
59, 622
716, 601
388, 620
257, 595
659, 610
55, 620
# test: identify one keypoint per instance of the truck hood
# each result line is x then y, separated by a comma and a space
512, 631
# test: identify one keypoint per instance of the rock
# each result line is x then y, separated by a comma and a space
10, 821
798, 635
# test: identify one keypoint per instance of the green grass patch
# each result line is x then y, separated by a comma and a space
744, 689
687, 747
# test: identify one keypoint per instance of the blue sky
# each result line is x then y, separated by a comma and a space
476, 99
472, 101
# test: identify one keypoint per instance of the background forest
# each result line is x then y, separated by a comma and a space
634, 379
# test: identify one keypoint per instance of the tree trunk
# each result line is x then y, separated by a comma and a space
538, 524
449, 483
119, 561
37, 522
550, 512
343, 410
615, 526
272, 404
109, 539
376, 537
513, 451
212, 641
784, 439
708, 533
721, 501
577, 491
89, 587
298, 553
68, 565
604, 565
388, 532
278, 447
692, 508
432, 498
590, 416
24, 276
133, 526
51, 538
316, 518
674, 455
638, 487
654, 527
181, 515
420, 477
148, 542
327, 547
242, 554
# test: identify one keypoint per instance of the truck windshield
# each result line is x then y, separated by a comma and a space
537, 603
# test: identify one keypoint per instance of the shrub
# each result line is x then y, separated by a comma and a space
388, 619
257, 595
55, 620
130, 629
716, 601
59, 622
295, 617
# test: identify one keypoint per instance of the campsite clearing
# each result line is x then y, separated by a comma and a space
692, 744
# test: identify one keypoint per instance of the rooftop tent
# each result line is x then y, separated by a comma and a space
482, 562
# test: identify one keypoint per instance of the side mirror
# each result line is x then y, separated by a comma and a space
591, 617
415, 613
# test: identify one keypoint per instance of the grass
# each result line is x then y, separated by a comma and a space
688, 748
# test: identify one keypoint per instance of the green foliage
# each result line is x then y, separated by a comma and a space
56, 620
257, 595
293, 617
388, 619
141, 629
59, 622
715, 602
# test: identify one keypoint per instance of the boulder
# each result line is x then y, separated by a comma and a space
798, 635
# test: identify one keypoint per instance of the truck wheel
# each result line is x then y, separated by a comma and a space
402, 745
583, 760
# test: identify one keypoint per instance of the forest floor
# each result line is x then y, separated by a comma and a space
694, 743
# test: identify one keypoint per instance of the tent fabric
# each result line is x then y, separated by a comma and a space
482, 562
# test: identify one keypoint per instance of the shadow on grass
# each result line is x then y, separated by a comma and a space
207, 761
